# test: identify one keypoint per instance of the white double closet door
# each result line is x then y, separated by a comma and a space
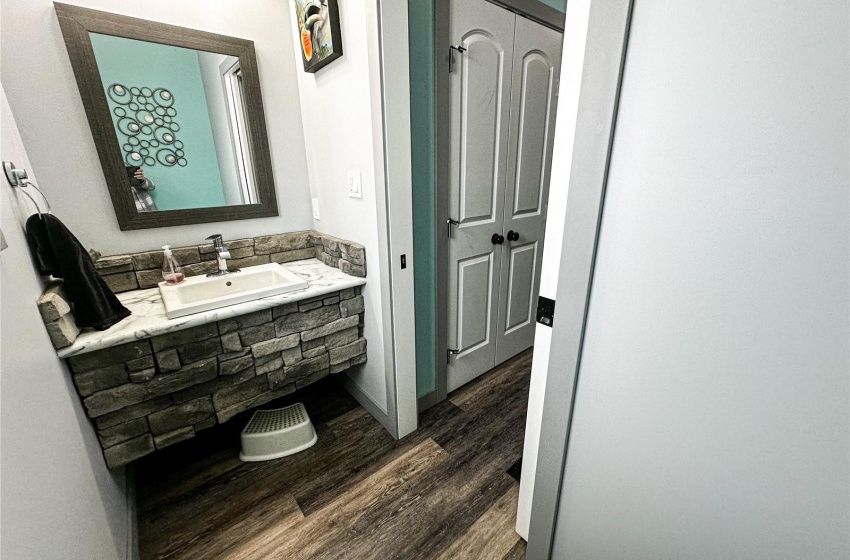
504, 87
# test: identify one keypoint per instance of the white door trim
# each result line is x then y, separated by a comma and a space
607, 37
393, 182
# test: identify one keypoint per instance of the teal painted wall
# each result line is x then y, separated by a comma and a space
560, 5
137, 63
423, 146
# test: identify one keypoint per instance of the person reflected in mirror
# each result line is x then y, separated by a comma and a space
141, 187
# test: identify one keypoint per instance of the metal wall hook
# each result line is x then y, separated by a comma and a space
19, 178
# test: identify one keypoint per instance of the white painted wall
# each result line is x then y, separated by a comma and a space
572, 60
57, 499
43, 94
712, 416
337, 111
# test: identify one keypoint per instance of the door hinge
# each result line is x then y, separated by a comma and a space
545, 311
449, 224
451, 352
453, 48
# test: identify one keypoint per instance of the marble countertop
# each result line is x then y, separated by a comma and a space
148, 318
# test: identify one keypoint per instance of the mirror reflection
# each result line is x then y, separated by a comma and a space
181, 121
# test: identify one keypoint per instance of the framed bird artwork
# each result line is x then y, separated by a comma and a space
318, 29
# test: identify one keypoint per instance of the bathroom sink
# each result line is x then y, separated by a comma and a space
201, 293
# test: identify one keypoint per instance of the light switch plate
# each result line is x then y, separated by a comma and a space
355, 189
316, 209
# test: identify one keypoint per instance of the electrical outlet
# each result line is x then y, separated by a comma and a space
316, 209
354, 185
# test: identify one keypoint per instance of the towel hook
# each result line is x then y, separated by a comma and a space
18, 178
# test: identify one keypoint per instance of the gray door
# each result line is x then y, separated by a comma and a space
706, 343
480, 115
502, 90
534, 87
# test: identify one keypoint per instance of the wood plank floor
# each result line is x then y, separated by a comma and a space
441, 493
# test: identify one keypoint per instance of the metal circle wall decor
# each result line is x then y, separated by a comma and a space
146, 118
162, 97
163, 135
128, 126
166, 157
119, 94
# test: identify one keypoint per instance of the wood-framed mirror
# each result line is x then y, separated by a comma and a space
177, 119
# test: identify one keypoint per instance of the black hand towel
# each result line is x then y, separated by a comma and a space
57, 252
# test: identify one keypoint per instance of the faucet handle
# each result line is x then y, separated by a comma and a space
217, 240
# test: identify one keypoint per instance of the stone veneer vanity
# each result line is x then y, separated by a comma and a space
149, 382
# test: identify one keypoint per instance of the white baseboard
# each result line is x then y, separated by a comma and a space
132, 552
366, 401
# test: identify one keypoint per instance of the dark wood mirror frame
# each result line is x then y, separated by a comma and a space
76, 24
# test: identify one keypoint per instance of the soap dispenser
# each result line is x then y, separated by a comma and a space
172, 272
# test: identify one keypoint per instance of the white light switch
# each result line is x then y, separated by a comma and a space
316, 209
354, 189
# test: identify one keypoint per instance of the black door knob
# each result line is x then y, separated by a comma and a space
497, 239
513, 235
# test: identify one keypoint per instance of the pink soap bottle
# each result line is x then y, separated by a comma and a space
172, 273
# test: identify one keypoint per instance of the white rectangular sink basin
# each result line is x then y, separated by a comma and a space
201, 293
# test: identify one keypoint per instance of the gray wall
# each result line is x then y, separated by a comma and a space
711, 413
58, 500
43, 94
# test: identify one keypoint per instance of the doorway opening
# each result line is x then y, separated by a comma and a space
483, 113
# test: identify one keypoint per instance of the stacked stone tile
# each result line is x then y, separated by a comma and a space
344, 255
151, 393
144, 270
57, 317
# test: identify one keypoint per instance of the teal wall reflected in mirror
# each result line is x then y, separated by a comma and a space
560, 5
140, 64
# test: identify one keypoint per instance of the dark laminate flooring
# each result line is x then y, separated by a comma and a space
441, 492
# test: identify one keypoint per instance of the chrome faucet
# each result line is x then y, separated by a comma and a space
221, 255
